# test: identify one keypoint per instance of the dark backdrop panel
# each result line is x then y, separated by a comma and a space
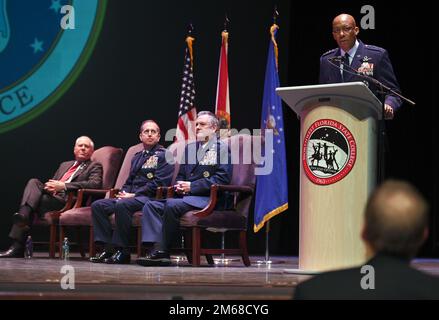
135, 73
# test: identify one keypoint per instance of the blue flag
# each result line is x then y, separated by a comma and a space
272, 188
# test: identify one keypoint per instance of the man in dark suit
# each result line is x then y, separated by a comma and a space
204, 163
41, 197
395, 226
366, 59
149, 170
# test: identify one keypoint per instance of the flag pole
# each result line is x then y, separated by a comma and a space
275, 14
186, 135
267, 260
223, 130
222, 104
226, 22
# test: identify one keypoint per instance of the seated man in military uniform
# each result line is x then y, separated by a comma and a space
205, 162
149, 170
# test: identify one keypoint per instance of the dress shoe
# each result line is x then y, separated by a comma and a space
119, 258
13, 252
19, 219
100, 258
158, 259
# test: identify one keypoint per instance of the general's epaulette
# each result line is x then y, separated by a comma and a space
328, 52
160, 149
374, 48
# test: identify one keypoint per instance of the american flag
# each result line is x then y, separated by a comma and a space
187, 112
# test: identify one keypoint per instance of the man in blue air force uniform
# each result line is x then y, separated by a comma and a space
206, 162
366, 59
149, 170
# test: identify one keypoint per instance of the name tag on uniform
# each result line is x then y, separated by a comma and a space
151, 163
209, 158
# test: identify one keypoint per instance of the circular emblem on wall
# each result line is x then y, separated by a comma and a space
329, 152
40, 58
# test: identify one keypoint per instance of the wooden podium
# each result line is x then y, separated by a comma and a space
338, 170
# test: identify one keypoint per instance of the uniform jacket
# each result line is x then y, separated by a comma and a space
370, 60
149, 170
203, 167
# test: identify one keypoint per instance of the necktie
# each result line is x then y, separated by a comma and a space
69, 172
346, 63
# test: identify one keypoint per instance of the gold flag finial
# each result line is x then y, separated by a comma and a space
189, 41
273, 30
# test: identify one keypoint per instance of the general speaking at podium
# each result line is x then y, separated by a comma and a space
366, 59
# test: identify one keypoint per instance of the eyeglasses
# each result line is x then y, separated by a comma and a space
344, 29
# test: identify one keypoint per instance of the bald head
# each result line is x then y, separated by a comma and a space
344, 18
396, 219
345, 31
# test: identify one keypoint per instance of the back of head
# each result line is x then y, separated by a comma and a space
396, 219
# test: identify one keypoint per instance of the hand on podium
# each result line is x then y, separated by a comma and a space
388, 112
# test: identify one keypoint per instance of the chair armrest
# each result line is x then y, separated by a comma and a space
89, 192
113, 192
69, 203
214, 189
170, 192
160, 191
235, 188
207, 210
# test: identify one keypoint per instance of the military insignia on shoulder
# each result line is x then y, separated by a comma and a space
206, 174
150, 175
209, 158
374, 48
328, 52
151, 163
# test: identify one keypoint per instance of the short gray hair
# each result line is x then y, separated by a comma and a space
214, 122
91, 141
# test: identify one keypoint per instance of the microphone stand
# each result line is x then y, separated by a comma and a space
383, 92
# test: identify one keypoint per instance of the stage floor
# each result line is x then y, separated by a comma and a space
40, 278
